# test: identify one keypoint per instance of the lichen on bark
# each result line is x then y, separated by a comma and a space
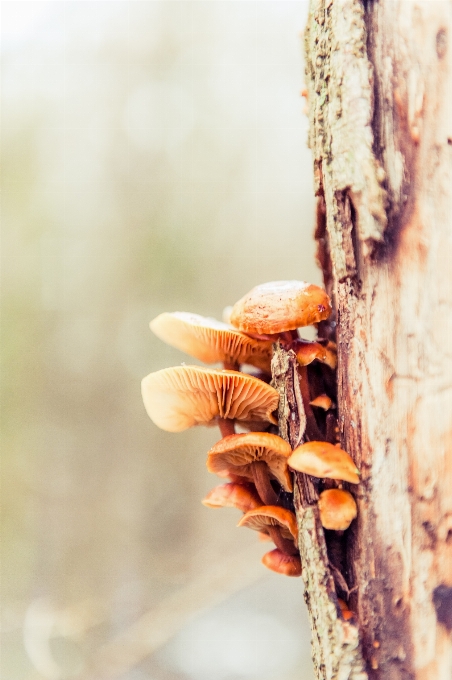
340, 98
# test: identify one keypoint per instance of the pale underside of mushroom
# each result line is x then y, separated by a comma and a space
211, 341
264, 518
238, 453
184, 396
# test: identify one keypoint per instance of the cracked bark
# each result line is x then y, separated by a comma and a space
380, 100
335, 643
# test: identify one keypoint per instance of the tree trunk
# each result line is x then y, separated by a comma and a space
379, 82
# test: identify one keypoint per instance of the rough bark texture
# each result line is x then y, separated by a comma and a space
336, 650
394, 311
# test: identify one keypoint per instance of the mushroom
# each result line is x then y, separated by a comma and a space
308, 351
322, 401
211, 341
233, 495
280, 306
276, 560
183, 396
253, 455
346, 613
279, 523
322, 459
337, 509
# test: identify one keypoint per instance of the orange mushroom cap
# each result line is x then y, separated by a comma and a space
266, 516
321, 459
307, 351
276, 560
280, 306
322, 401
241, 496
337, 509
346, 613
183, 396
236, 454
210, 340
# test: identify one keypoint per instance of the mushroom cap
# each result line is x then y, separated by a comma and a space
236, 454
280, 306
308, 351
183, 396
261, 518
276, 560
322, 401
346, 613
210, 340
321, 459
337, 509
233, 495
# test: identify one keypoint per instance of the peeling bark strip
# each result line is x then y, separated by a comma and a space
335, 643
340, 98
394, 317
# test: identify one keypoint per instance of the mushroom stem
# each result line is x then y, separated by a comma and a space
288, 337
262, 483
226, 426
283, 544
312, 429
330, 435
231, 366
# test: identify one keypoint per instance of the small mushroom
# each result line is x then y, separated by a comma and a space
337, 509
279, 523
346, 613
321, 459
307, 352
322, 401
183, 396
280, 306
211, 341
241, 496
276, 560
253, 455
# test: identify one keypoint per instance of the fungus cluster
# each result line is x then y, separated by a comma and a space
258, 462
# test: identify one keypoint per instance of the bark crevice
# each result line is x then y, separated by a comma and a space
336, 646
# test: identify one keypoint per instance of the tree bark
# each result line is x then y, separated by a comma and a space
379, 82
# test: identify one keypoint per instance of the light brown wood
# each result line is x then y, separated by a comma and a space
394, 313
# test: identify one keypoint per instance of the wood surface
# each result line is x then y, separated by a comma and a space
393, 296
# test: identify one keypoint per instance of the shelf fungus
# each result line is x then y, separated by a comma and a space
288, 565
211, 341
233, 495
337, 509
279, 523
322, 459
259, 456
183, 396
280, 306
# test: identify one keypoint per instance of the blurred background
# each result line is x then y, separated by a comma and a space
154, 159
